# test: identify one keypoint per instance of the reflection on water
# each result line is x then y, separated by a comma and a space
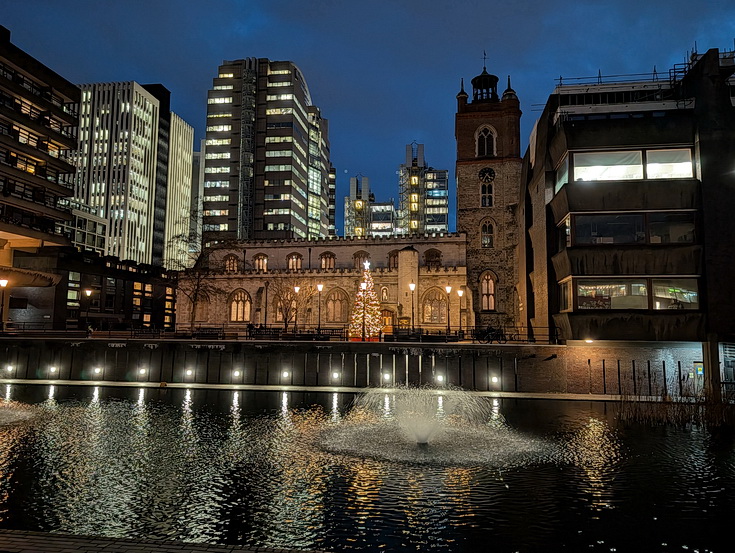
251, 468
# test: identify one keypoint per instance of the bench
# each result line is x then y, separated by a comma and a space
208, 334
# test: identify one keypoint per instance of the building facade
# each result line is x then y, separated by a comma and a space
629, 191
133, 156
245, 280
423, 205
488, 171
267, 168
363, 215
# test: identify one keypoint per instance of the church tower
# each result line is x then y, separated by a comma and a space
488, 172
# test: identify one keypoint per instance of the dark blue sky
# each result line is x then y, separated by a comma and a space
384, 72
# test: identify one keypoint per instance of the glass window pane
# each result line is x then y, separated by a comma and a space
669, 164
675, 293
612, 294
666, 228
562, 175
609, 229
594, 166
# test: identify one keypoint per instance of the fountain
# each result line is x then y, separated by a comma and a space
432, 426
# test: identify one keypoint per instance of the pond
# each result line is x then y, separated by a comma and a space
313, 471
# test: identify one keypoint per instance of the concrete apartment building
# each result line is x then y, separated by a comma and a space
266, 163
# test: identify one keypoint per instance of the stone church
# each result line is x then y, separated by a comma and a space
432, 281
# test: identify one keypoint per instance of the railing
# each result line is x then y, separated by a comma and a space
476, 335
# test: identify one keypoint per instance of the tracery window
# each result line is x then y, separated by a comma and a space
261, 262
337, 307
240, 306
359, 259
393, 259
485, 142
486, 195
487, 235
294, 261
230, 263
433, 259
434, 307
487, 292
327, 260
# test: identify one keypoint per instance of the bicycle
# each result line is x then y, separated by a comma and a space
491, 334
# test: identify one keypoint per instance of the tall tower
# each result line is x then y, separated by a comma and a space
487, 130
423, 192
266, 165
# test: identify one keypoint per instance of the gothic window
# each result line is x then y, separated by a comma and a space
487, 235
327, 260
433, 259
434, 307
387, 316
393, 259
487, 292
359, 259
486, 194
337, 306
485, 140
240, 306
294, 261
230, 262
261, 262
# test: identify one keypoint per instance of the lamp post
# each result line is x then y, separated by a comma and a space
449, 291
412, 287
296, 314
363, 285
460, 293
3, 284
319, 288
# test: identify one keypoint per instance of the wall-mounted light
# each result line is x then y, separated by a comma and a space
335, 375
97, 370
440, 378
236, 374
52, 370
285, 374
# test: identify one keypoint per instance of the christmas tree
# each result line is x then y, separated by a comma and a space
365, 322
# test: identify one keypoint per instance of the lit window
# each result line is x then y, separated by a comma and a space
294, 261
434, 307
261, 262
487, 235
487, 292
230, 263
669, 164
219, 100
612, 294
240, 307
226, 75
598, 166
219, 128
327, 260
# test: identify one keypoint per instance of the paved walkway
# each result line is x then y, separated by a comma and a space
17, 541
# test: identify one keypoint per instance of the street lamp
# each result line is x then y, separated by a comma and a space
412, 287
3, 284
296, 314
460, 293
363, 285
449, 291
319, 288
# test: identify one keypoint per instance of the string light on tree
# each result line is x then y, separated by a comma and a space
365, 321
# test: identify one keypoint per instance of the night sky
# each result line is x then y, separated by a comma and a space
384, 73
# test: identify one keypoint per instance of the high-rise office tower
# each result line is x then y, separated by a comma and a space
134, 157
424, 195
267, 170
363, 215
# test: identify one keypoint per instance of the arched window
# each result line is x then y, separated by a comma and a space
433, 259
337, 306
434, 307
388, 317
240, 306
393, 259
230, 263
261, 262
485, 141
359, 259
294, 261
327, 260
487, 235
486, 195
487, 292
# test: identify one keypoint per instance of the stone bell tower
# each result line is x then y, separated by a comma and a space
488, 172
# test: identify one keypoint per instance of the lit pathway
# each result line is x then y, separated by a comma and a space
16, 541
324, 389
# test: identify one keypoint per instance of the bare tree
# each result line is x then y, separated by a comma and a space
289, 302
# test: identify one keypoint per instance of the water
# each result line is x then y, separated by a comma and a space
310, 471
